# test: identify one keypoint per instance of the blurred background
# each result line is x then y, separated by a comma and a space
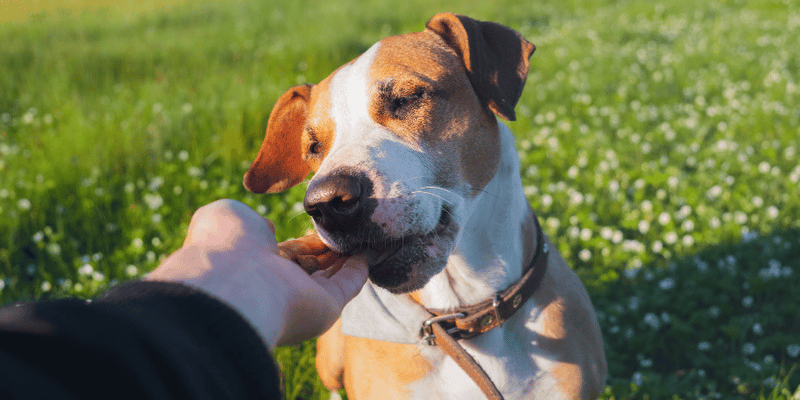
658, 140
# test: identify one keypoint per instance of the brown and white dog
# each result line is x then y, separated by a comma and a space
413, 169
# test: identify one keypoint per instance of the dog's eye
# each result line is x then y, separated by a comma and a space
398, 104
315, 148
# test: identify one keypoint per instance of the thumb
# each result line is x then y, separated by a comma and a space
345, 284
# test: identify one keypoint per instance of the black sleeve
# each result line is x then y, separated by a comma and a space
141, 340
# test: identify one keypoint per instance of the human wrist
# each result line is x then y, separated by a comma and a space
244, 287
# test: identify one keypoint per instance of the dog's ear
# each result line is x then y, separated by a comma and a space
279, 164
496, 58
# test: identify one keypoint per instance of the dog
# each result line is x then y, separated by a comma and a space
413, 169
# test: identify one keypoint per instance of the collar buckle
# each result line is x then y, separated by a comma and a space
427, 326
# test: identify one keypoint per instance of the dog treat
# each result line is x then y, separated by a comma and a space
309, 252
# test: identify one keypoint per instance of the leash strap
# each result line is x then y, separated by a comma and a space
450, 347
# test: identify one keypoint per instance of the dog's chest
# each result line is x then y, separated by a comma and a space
509, 355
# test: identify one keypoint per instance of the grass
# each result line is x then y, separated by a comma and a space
659, 146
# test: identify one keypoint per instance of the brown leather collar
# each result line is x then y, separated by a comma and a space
447, 326
471, 320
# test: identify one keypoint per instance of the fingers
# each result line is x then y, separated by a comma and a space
225, 222
309, 244
347, 279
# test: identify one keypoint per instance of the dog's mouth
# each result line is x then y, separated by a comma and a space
380, 252
391, 263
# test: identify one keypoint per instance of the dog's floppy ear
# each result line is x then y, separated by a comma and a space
496, 58
279, 164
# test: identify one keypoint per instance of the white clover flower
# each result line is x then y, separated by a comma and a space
194, 172
628, 333
54, 249
177, 190
688, 240
186, 108
667, 284
153, 200
137, 243
684, 212
644, 226
748, 348
704, 346
586, 234
793, 350
573, 172
156, 183
97, 276
38, 237
714, 311
637, 378
261, 209
757, 201
652, 320
547, 201
183, 155
156, 218
664, 218
773, 271
86, 269
631, 271
657, 246
749, 236
772, 212
633, 303
585, 255
617, 237
46, 286
606, 232
758, 329
714, 192
24, 204
747, 301
671, 237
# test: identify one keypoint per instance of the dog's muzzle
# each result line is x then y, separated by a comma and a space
342, 204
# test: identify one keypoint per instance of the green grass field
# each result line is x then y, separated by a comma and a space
659, 146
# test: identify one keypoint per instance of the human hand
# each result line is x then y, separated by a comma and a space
231, 253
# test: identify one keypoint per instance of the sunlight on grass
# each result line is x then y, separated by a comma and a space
21, 10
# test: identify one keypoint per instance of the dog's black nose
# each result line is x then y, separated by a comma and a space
337, 201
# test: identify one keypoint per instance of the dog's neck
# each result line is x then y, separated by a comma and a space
494, 245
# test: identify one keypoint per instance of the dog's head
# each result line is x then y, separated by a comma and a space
400, 139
